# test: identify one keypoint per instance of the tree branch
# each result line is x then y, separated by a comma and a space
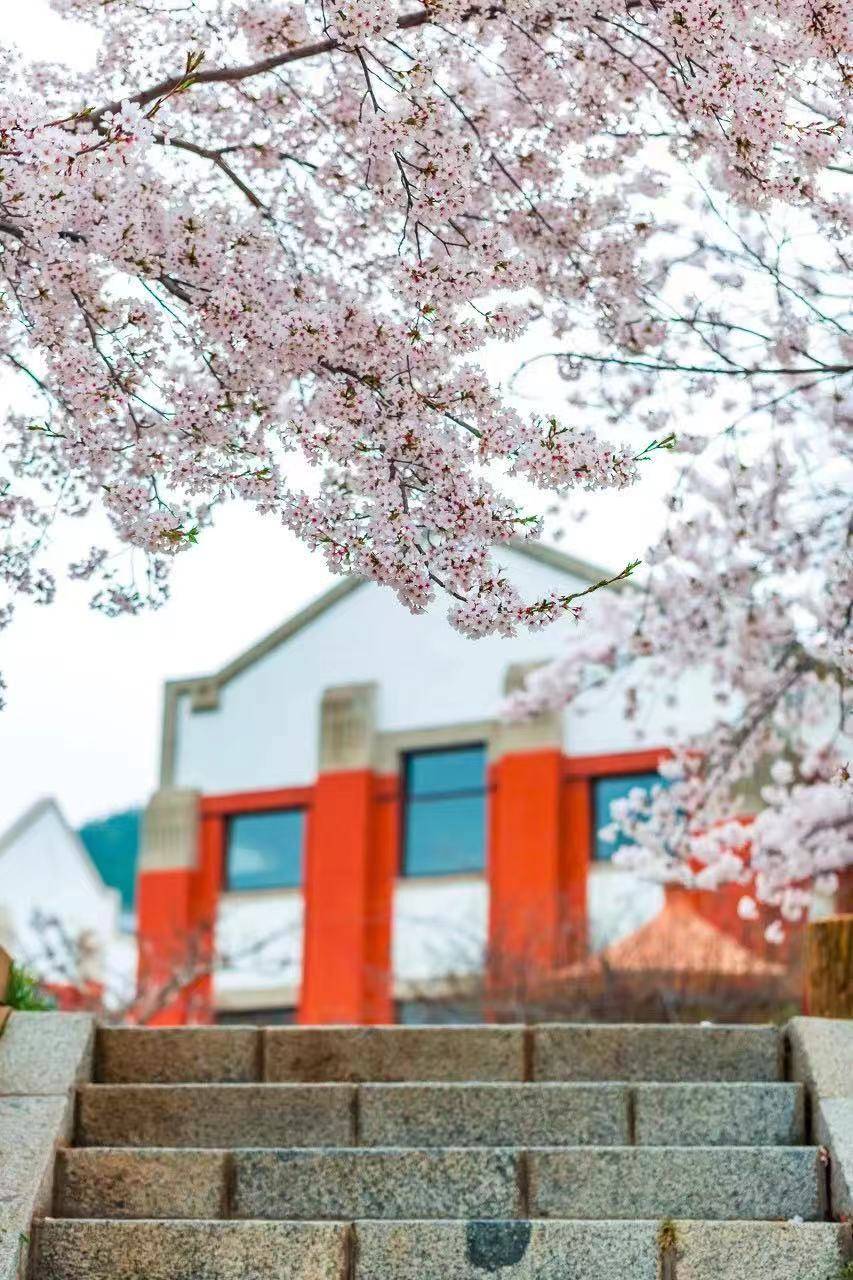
219, 75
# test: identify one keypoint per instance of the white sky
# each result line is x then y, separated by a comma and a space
85, 692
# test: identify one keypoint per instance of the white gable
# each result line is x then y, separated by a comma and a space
264, 731
45, 869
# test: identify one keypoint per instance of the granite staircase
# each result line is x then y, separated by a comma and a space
556, 1152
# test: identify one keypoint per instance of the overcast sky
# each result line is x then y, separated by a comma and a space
85, 692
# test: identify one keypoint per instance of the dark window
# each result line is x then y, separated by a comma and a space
444, 811
438, 1012
256, 1018
605, 791
265, 850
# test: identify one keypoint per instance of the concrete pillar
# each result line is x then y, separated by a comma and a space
175, 914
347, 937
538, 867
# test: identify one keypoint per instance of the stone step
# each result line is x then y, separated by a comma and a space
439, 1250
726, 1115
599, 1250
339, 1115
677, 1182
460, 1182
147, 1182
429, 1115
321, 1183
138, 1055
100, 1249
215, 1115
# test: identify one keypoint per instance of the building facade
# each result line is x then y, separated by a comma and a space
346, 828
58, 918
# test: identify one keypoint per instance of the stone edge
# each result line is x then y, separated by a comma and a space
73, 1035
820, 1056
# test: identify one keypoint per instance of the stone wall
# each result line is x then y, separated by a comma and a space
43, 1056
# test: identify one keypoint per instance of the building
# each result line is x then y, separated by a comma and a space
345, 828
57, 916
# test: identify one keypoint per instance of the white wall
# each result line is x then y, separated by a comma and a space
439, 932
619, 902
596, 724
259, 943
45, 869
265, 730
439, 929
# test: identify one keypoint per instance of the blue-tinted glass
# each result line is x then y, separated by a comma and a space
606, 790
265, 850
415, 1013
431, 773
445, 836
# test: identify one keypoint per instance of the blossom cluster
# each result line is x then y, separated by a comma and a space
282, 237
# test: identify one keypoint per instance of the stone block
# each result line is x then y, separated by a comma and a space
178, 1055
761, 1250
97, 1182
648, 1052
725, 1115
377, 1183
104, 1250
673, 1182
394, 1053
45, 1053
347, 727
517, 1250
821, 1055
228, 1115
492, 1115
30, 1129
170, 831
14, 1240
833, 1126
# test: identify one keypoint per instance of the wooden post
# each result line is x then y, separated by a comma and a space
829, 967
5, 970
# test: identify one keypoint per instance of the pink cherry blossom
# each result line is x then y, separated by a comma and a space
260, 232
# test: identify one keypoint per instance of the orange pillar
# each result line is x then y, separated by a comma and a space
349, 871
205, 889
576, 844
163, 922
537, 904
176, 904
383, 863
347, 910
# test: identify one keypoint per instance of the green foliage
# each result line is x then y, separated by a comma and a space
846, 1272
25, 994
113, 844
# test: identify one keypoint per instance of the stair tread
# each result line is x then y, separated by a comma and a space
555, 1152
472, 1113
456, 1182
555, 1051
530, 1249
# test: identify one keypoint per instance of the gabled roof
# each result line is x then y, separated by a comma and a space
42, 808
677, 941
204, 690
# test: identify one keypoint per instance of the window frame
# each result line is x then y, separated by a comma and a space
580, 773
621, 776
227, 821
406, 799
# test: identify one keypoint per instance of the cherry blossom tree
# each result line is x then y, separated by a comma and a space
259, 251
